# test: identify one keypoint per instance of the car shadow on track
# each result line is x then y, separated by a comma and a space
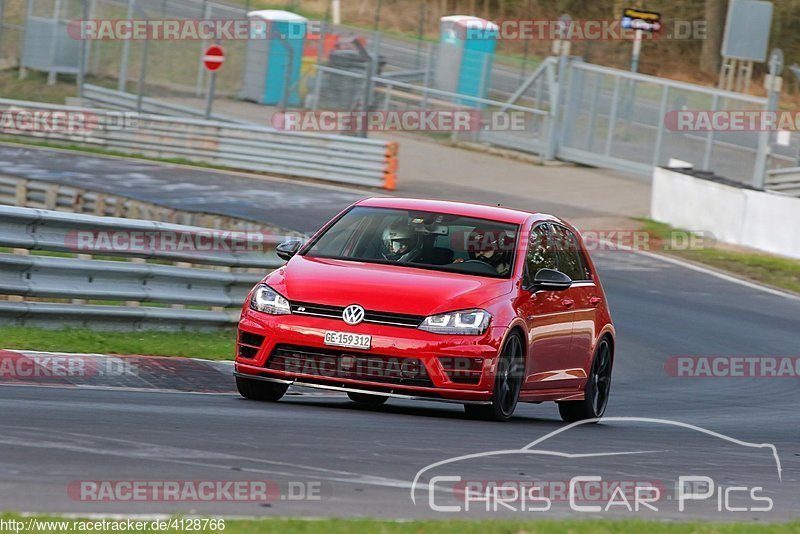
453, 412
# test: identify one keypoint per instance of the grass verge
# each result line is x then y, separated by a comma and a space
35, 88
765, 268
63, 145
342, 526
208, 345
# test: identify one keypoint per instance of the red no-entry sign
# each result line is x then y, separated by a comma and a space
213, 57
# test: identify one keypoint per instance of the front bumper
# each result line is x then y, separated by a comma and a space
434, 353
355, 389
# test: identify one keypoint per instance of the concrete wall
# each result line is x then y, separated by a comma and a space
759, 219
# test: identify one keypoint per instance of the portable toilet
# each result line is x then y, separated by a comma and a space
275, 49
466, 54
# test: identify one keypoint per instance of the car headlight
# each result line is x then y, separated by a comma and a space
464, 322
267, 300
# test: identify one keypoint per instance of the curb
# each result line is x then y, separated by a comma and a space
131, 372
127, 372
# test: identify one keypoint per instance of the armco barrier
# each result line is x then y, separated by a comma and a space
786, 180
111, 99
31, 280
25, 193
335, 158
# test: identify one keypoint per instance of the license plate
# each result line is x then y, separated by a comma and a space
347, 339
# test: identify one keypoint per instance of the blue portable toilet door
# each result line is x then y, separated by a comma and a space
476, 63
278, 59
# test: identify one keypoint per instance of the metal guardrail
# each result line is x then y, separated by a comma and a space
32, 282
111, 99
25, 193
785, 181
335, 158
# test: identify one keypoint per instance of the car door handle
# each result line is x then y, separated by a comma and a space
568, 303
594, 301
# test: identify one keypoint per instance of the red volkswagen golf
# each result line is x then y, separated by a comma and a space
422, 299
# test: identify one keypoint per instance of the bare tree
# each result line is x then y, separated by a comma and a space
715, 12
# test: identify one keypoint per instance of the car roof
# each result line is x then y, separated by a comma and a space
467, 209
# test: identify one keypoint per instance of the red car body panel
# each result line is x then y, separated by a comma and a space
561, 328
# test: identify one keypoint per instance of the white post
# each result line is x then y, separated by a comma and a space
336, 11
126, 50
637, 50
51, 76
201, 70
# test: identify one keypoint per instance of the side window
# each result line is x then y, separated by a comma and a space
542, 252
570, 256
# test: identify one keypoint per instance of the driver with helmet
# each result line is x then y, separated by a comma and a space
400, 242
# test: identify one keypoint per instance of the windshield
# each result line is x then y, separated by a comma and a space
420, 239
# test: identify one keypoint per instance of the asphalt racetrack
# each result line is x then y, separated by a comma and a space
329, 457
286, 203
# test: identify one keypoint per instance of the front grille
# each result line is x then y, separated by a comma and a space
370, 316
334, 363
249, 344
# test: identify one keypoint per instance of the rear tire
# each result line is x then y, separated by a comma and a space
363, 398
507, 384
596, 392
260, 390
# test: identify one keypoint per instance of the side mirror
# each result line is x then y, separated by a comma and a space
550, 280
287, 249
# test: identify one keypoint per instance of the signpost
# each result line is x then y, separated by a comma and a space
561, 44
747, 29
213, 58
640, 21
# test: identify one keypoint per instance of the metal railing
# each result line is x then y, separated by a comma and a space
786, 180
25, 193
392, 94
588, 114
103, 97
53, 290
334, 158
618, 119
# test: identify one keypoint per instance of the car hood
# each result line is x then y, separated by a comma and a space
379, 287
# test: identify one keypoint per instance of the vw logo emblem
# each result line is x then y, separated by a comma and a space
353, 314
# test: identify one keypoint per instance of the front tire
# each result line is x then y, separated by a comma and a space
596, 392
507, 384
363, 398
260, 390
